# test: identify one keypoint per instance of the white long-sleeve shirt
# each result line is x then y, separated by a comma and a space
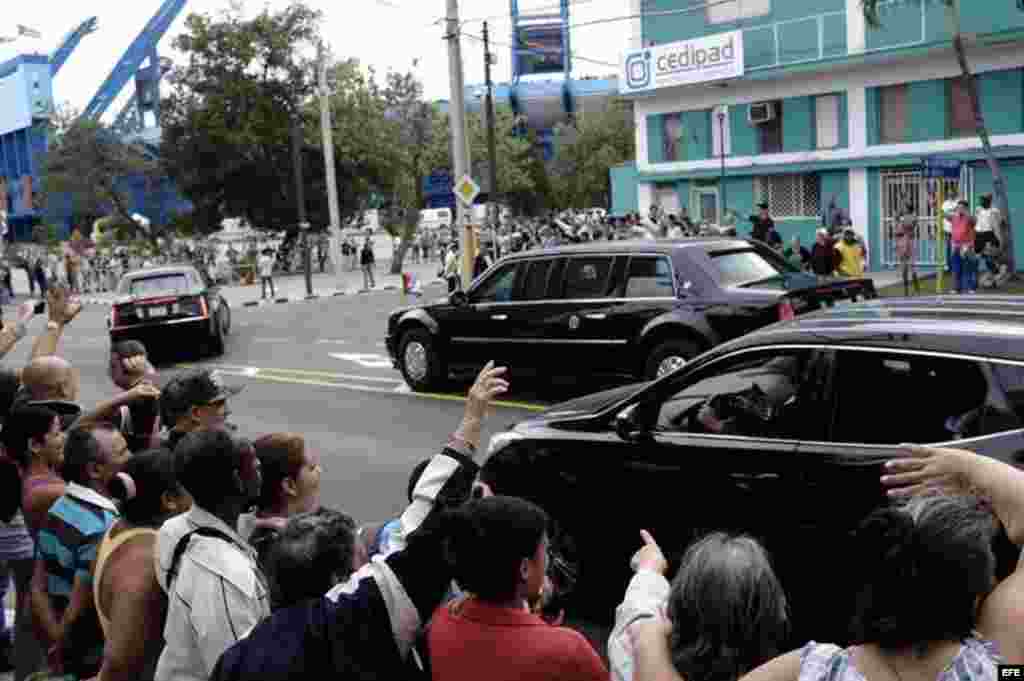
218, 596
646, 597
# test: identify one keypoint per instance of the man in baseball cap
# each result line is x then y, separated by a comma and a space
195, 400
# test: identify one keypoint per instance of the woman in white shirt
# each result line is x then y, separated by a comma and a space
987, 228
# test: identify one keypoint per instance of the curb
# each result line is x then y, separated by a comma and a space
317, 295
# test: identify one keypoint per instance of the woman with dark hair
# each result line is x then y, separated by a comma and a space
33, 438
928, 606
499, 551
726, 608
291, 485
129, 603
23, 654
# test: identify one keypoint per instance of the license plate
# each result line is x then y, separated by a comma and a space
157, 312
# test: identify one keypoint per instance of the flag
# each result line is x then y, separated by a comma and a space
28, 32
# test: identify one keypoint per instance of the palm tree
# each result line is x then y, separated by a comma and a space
871, 15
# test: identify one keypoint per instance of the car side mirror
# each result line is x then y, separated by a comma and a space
459, 299
627, 423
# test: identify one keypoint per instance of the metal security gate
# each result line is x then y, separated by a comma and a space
901, 186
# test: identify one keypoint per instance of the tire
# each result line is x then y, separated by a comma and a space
679, 348
215, 344
428, 371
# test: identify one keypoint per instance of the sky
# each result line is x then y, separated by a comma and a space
388, 34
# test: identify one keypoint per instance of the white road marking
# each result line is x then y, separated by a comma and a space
256, 372
331, 342
273, 340
368, 361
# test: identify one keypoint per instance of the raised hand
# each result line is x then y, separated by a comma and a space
649, 557
929, 469
489, 385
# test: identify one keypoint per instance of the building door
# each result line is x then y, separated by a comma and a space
667, 198
902, 187
705, 204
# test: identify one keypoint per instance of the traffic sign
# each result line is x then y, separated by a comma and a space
466, 190
935, 166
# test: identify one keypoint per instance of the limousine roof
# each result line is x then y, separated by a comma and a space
646, 245
985, 326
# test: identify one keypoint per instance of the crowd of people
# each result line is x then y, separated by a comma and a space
148, 538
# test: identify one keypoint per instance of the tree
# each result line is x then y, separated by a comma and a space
228, 119
86, 165
586, 152
871, 15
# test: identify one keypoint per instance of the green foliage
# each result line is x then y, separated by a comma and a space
85, 163
585, 153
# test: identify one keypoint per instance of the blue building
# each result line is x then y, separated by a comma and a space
805, 106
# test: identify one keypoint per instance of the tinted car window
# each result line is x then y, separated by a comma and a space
882, 398
771, 395
588, 278
649, 277
1011, 380
163, 284
499, 287
537, 279
737, 268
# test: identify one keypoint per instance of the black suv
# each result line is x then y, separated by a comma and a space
638, 308
780, 434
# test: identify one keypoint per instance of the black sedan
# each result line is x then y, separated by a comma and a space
634, 308
170, 305
780, 434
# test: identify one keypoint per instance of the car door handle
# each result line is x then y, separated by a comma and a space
596, 316
499, 317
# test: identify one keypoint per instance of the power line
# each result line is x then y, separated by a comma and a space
572, 54
507, 17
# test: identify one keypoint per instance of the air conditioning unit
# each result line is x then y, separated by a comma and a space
762, 112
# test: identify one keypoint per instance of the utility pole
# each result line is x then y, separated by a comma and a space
300, 197
460, 148
491, 144
327, 126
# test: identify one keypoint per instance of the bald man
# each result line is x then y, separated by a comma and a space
52, 382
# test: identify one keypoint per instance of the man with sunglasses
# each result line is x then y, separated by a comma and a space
194, 400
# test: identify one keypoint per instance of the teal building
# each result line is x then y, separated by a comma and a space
801, 104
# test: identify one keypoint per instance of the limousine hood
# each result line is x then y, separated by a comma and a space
591, 404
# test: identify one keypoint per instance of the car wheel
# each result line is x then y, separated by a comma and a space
225, 318
669, 356
419, 360
216, 341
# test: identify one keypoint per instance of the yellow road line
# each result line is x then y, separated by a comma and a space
525, 406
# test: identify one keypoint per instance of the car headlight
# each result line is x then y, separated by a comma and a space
502, 440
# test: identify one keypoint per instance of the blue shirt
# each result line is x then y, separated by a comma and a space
68, 541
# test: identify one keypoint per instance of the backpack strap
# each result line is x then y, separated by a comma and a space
182, 546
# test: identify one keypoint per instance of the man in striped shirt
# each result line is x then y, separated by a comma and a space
66, 548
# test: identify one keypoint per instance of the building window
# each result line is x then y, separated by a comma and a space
735, 10
826, 116
721, 136
770, 132
672, 135
892, 109
961, 115
789, 196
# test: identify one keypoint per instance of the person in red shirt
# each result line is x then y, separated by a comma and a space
499, 546
964, 261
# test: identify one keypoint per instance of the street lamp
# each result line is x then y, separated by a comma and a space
721, 146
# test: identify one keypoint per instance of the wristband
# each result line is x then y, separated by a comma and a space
457, 439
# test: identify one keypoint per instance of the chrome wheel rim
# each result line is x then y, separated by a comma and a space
416, 361
670, 364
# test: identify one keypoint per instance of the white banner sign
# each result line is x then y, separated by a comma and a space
713, 57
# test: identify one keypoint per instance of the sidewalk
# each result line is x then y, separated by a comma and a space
292, 287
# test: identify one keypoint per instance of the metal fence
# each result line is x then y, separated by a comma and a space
902, 186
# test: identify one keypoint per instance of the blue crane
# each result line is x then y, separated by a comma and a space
70, 42
141, 49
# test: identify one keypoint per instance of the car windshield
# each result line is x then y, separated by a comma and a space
163, 284
745, 267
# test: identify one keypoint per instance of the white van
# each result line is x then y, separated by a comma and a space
433, 218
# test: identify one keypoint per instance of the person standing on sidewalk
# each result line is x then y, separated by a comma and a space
964, 261
906, 247
367, 260
266, 267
